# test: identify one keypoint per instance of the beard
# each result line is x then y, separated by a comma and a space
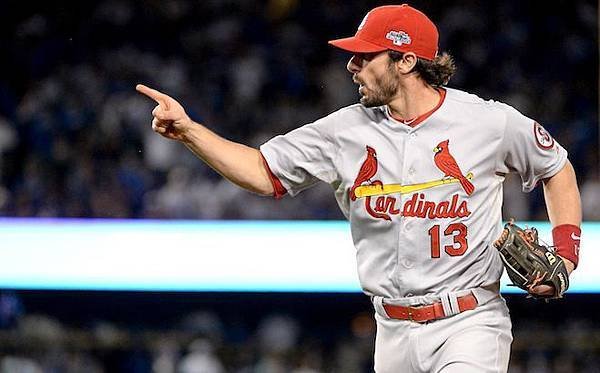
382, 91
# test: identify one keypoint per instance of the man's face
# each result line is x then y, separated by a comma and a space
376, 76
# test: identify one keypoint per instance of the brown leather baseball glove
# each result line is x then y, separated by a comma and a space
529, 263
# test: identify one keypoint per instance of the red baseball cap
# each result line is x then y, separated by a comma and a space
397, 27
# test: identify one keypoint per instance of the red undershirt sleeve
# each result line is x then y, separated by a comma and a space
279, 189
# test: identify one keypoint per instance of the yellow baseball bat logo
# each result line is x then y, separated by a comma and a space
379, 190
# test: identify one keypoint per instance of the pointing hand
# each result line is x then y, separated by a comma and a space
170, 119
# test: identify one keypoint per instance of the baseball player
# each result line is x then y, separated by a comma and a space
417, 169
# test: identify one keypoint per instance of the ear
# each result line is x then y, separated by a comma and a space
407, 63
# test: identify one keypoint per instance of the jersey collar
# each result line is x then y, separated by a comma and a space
413, 123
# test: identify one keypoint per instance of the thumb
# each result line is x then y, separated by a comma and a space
159, 112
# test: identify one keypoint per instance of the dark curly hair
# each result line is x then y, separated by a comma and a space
436, 73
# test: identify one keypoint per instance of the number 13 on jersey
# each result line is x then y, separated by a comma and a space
456, 231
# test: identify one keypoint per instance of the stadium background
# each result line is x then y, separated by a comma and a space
75, 142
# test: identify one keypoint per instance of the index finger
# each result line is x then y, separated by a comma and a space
157, 96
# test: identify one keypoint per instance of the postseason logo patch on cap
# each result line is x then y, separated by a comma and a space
398, 37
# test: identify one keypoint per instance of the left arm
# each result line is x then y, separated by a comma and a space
564, 207
562, 201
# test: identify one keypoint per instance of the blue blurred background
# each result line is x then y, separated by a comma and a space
75, 142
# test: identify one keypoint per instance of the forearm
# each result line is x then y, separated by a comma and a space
240, 164
563, 204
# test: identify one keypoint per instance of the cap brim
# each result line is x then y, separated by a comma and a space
355, 45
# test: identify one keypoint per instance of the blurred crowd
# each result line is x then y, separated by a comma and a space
205, 341
201, 341
75, 138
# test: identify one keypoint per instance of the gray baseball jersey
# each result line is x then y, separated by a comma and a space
424, 203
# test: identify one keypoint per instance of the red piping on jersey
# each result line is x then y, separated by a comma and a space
278, 189
422, 117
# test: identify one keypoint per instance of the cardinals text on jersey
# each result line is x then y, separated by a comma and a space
365, 185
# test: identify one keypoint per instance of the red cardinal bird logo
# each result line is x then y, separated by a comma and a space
447, 164
367, 171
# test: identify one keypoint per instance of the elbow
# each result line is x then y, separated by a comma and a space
273, 188
270, 183
260, 186
270, 186
266, 190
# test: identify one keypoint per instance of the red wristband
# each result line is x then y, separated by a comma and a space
566, 240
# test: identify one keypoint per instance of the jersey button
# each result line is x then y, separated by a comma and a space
411, 171
413, 135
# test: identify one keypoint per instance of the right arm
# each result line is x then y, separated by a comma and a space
238, 163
